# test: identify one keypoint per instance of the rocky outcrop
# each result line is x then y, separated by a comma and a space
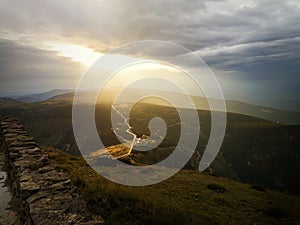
42, 193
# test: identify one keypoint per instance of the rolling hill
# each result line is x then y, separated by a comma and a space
233, 106
30, 98
254, 150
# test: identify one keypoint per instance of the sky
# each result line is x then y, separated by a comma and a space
252, 46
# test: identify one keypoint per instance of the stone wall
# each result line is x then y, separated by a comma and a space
42, 193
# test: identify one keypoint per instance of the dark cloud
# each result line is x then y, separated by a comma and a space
27, 69
194, 24
243, 37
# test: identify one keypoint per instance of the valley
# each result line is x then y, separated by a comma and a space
254, 150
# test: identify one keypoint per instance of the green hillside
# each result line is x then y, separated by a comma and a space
255, 151
263, 112
187, 198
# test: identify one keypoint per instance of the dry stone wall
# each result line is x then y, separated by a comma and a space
42, 193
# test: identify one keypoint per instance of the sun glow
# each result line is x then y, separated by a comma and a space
79, 53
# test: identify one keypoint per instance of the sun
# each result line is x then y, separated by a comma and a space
86, 56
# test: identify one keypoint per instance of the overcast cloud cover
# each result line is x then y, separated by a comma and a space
253, 46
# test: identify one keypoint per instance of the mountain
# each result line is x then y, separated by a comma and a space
30, 98
232, 106
257, 157
6, 102
254, 150
267, 113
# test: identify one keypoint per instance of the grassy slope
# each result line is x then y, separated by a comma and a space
254, 150
182, 199
258, 111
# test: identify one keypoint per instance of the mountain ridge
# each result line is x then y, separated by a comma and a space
251, 146
233, 106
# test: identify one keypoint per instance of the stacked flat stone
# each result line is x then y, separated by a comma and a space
42, 193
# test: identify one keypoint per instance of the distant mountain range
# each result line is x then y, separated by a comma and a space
254, 150
38, 97
66, 96
262, 112
267, 113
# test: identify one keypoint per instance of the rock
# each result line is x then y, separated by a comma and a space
61, 185
46, 168
10, 218
75, 206
41, 193
28, 188
100, 222
25, 178
37, 196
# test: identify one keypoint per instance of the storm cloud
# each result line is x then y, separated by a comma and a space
252, 42
26, 68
